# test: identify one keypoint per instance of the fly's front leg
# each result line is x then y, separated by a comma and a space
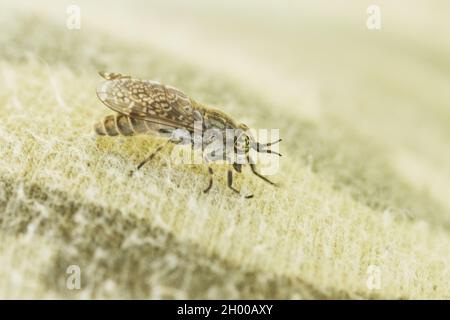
253, 167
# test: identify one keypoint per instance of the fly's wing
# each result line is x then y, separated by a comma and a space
148, 100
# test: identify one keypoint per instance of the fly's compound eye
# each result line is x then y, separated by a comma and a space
247, 143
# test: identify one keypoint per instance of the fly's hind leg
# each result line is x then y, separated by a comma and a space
153, 154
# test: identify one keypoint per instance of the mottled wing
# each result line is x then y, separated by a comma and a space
149, 101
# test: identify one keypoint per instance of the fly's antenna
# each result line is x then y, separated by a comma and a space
261, 147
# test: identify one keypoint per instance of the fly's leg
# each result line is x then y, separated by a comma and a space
253, 167
210, 170
112, 75
230, 181
151, 156
207, 158
230, 184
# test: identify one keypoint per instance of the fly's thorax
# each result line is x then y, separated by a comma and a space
217, 146
217, 119
230, 144
213, 131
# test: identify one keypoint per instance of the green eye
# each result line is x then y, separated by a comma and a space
247, 143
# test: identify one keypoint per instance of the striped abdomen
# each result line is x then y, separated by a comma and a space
119, 124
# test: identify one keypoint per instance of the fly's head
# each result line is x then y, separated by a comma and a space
244, 142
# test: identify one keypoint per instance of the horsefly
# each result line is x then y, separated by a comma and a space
148, 107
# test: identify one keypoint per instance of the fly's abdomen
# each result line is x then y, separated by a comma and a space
119, 124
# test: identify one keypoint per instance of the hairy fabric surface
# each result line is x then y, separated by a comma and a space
365, 168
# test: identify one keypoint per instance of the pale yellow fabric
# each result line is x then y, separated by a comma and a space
365, 169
